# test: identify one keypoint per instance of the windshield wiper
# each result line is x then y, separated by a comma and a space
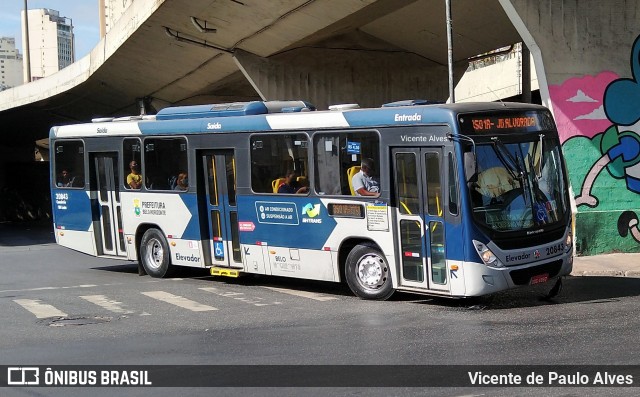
503, 154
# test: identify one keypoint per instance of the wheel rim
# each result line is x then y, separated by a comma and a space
372, 271
154, 253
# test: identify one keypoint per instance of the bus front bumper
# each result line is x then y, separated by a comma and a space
482, 280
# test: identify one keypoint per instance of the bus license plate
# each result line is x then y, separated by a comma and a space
540, 278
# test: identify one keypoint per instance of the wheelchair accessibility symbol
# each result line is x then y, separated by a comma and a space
218, 250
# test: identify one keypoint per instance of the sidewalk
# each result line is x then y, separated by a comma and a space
618, 265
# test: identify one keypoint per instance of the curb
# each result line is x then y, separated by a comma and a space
607, 273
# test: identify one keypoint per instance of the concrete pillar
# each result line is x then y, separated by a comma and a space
586, 55
327, 76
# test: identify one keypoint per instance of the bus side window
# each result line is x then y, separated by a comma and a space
131, 155
273, 155
69, 164
338, 157
452, 185
164, 159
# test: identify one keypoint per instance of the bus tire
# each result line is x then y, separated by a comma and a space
155, 254
367, 273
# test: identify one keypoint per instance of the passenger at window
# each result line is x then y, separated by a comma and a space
134, 179
182, 183
65, 179
290, 184
363, 182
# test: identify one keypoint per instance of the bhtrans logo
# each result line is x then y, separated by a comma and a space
311, 211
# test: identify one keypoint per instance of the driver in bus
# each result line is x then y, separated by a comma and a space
363, 182
134, 179
65, 179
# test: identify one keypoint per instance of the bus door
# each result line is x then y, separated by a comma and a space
217, 203
417, 176
106, 186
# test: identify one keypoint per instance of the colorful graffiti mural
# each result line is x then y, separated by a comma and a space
599, 123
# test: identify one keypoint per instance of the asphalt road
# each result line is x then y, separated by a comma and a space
60, 307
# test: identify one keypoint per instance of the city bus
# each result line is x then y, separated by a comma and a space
472, 198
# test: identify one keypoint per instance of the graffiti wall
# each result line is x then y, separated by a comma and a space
598, 119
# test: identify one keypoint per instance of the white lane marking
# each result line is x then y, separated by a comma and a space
179, 301
49, 288
39, 309
256, 301
105, 303
304, 294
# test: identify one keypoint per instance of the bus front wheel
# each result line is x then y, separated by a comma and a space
154, 254
367, 273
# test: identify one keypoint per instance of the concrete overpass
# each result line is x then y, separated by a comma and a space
320, 50
164, 52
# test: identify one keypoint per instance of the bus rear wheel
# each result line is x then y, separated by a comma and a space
367, 273
154, 254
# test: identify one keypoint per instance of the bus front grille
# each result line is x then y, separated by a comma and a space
510, 243
523, 276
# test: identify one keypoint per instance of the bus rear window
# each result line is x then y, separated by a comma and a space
69, 164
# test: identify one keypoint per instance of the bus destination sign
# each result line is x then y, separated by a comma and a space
500, 123
506, 122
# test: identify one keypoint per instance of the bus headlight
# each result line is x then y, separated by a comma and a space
487, 256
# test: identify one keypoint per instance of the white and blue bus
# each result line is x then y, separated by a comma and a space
473, 198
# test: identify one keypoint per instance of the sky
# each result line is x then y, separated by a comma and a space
83, 13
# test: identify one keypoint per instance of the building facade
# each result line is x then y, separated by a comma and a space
10, 64
110, 11
51, 42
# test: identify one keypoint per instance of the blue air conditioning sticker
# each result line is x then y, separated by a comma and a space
277, 213
309, 212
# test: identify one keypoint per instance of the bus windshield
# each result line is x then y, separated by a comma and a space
518, 185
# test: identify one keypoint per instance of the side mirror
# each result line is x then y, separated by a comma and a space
470, 167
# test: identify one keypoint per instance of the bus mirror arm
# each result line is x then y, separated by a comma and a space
470, 158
